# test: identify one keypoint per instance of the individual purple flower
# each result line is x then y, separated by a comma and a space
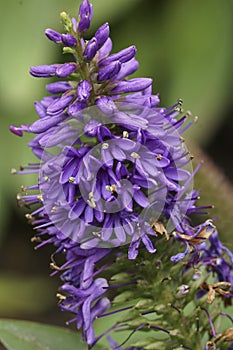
102, 34
85, 15
53, 35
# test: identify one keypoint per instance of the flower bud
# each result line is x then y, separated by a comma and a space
102, 34
85, 15
91, 49
83, 90
64, 70
69, 40
132, 85
108, 72
53, 35
123, 56
58, 87
66, 21
45, 71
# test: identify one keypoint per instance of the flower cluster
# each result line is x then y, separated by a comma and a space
114, 172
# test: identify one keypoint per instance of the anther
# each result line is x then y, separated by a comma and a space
28, 216
125, 134
188, 114
40, 198
135, 155
13, 171
54, 209
105, 145
60, 296
71, 179
23, 188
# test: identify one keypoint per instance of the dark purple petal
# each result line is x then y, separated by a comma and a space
46, 123
83, 90
85, 15
127, 68
141, 199
91, 49
176, 258
58, 87
90, 128
90, 243
45, 71
105, 49
100, 307
148, 244
106, 105
59, 106
53, 35
77, 209
102, 34
120, 232
122, 56
118, 153
89, 214
64, 70
109, 71
46, 101
133, 249
132, 85
40, 110
69, 40
74, 108
177, 174
132, 122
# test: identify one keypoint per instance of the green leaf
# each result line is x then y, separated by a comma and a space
25, 335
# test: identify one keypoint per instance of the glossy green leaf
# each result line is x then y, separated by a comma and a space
25, 335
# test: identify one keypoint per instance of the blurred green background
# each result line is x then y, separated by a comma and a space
185, 45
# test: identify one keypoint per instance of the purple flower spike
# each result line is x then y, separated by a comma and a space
64, 70
109, 72
83, 91
45, 71
85, 15
102, 34
91, 49
118, 177
53, 35
132, 85
69, 40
